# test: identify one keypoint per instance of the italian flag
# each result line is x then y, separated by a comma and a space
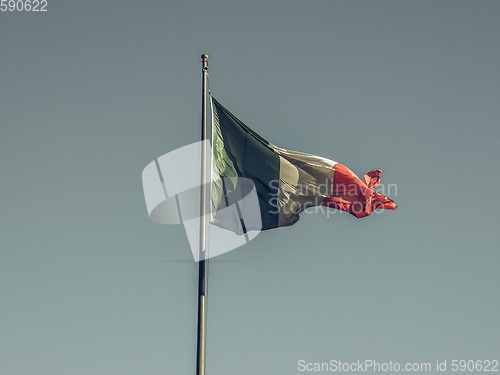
286, 182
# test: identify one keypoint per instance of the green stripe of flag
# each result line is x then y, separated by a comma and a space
240, 152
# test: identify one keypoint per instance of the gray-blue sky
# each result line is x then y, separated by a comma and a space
91, 92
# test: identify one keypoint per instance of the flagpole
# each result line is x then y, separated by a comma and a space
203, 260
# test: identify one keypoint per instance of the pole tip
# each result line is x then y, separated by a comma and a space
204, 61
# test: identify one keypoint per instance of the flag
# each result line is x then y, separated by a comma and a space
287, 182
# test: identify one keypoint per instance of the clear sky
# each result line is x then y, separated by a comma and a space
91, 92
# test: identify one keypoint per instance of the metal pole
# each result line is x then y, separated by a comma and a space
200, 342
